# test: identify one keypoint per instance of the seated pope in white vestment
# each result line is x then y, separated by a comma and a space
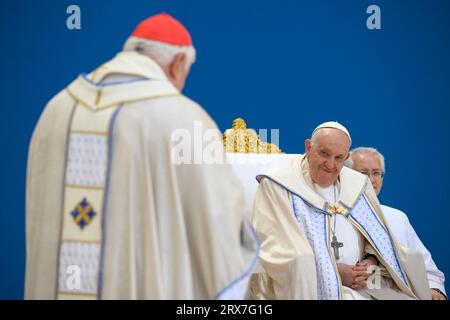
323, 234
111, 213
371, 162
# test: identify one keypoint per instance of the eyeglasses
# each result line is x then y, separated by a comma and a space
374, 173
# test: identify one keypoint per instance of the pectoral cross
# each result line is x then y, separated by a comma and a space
336, 245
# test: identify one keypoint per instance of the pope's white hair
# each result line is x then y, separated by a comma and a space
162, 53
365, 150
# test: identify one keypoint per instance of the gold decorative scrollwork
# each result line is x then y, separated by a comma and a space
239, 139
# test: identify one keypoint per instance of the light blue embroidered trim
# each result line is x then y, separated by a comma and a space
364, 216
313, 222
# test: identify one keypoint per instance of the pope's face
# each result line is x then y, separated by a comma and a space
326, 155
370, 165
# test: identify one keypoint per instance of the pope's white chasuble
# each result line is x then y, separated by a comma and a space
316, 223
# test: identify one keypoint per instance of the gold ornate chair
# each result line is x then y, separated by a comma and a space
249, 156
239, 139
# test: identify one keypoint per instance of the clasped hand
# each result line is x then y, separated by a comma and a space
355, 276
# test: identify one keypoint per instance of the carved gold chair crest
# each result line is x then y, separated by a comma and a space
239, 139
